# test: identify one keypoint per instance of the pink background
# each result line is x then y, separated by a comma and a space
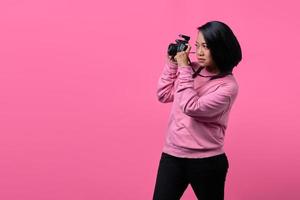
79, 118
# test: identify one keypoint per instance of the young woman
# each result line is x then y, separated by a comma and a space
203, 94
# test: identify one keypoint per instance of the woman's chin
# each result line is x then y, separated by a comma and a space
201, 64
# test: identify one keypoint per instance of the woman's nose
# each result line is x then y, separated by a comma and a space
200, 52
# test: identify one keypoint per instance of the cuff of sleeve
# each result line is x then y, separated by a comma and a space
171, 65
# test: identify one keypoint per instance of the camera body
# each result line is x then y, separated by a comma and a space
179, 46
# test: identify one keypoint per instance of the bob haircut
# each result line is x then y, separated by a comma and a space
224, 46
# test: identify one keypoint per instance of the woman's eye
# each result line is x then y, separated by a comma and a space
204, 46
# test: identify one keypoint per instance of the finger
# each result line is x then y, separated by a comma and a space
188, 48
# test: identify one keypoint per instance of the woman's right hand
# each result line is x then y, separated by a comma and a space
171, 60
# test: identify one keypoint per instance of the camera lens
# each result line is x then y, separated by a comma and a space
172, 50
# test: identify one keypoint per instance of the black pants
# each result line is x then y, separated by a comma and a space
206, 176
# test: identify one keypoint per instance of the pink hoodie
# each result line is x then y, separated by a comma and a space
200, 110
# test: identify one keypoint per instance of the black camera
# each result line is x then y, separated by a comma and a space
179, 46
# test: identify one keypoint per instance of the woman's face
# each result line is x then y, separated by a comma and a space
203, 54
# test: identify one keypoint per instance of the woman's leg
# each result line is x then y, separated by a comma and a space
207, 176
171, 180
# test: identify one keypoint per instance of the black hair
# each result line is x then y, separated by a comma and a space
224, 46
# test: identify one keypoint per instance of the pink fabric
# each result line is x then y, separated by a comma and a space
200, 110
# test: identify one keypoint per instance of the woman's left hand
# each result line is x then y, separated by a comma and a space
182, 57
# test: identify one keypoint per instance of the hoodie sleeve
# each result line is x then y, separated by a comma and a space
207, 107
166, 82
